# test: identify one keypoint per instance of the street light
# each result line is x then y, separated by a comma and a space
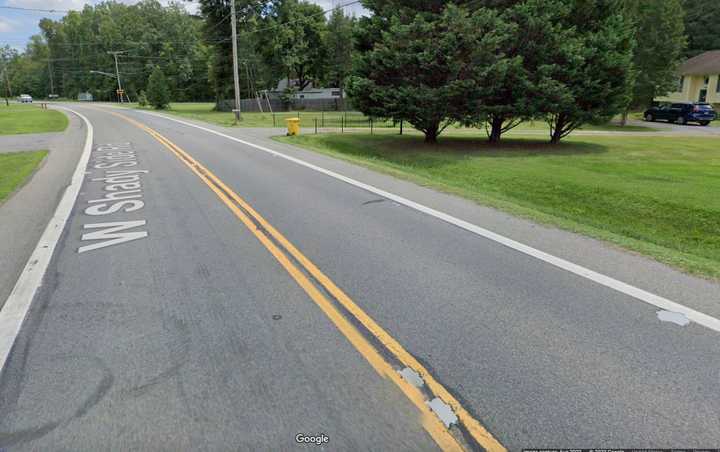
117, 71
103, 73
107, 74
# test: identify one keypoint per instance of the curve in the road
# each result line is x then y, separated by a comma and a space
278, 246
599, 278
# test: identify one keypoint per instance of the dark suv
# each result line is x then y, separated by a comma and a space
682, 113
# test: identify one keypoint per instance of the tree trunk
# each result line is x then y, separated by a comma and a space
623, 120
496, 124
558, 128
431, 133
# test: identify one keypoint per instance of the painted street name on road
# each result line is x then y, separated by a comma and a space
122, 181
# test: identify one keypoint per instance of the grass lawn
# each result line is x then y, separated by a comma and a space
203, 111
15, 167
30, 119
654, 195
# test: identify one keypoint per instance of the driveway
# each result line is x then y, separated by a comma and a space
688, 129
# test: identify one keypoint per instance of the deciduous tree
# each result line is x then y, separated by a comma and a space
702, 26
295, 46
338, 43
660, 35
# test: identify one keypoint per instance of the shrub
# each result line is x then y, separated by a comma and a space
158, 93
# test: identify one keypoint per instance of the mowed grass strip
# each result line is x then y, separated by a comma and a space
203, 111
18, 118
15, 167
655, 195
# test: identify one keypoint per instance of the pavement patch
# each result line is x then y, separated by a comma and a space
443, 411
412, 377
677, 318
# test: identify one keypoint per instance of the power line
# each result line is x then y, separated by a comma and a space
227, 16
40, 10
138, 44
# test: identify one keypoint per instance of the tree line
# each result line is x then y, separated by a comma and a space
431, 63
277, 39
71, 53
496, 63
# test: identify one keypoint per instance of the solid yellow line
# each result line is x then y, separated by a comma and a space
476, 430
429, 421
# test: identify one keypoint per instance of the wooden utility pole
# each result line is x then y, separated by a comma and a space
236, 77
52, 87
117, 73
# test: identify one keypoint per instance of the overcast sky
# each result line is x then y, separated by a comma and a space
17, 26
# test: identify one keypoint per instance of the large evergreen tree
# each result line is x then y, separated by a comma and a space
536, 48
422, 68
596, 83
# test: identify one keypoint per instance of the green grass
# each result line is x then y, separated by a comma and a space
203, 111
654, 195
15, 167
30, 119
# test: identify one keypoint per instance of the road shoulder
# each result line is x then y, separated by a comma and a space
642, 272
24, 215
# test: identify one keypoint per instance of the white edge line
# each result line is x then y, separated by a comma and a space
607, 281
16, 307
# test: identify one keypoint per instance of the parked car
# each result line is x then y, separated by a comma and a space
25, 99
682, 113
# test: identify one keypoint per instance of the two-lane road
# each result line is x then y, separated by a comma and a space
206, 294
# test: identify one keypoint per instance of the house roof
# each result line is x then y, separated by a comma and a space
703, 64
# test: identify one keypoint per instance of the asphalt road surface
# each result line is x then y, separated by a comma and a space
25, 214
183, 331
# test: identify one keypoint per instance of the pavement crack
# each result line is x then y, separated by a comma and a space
373, 201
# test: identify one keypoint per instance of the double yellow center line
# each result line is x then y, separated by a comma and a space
282, 250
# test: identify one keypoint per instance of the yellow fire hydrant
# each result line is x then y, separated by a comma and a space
293, 126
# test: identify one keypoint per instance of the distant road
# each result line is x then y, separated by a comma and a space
209, 295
